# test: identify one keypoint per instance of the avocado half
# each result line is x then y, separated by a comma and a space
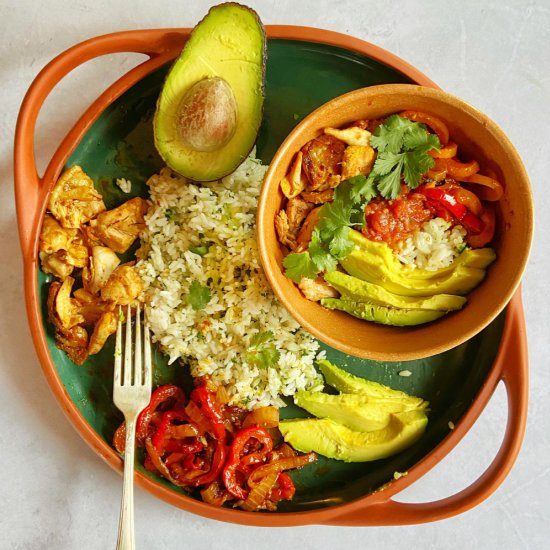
228, 44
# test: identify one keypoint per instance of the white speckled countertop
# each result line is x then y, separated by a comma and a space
56, 493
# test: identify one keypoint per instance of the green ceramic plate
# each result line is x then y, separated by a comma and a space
300, 77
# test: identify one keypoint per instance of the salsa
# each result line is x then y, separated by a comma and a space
391, 221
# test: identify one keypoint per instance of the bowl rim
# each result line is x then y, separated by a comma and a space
162, 45
272, 269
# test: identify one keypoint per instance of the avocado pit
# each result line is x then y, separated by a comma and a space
207, 115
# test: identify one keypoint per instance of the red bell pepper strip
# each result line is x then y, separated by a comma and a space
160, 395
229, 474
471, 223
218, 461
208, 407
285, 489
162, 432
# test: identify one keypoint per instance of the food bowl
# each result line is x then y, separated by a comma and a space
478, 138
113, 138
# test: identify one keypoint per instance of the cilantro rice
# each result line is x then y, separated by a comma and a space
208, 301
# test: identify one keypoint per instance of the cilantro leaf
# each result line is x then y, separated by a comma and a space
261, 338
334, 215
389, 137
261, 353
298, 265
320, 256
341, 245
198, 296
389, 184
415, 164
403, 147
362, 188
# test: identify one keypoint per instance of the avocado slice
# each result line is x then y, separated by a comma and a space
346, 382
357, 412
460, 280
380, 254
383, 315
352, 288
333, 440
222, 63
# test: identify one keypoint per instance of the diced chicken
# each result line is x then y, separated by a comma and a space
316, 289
282, 228
84, 296
61, 249
65, 307
119, 228
105, 326
74, 342
318, 197
90, 306
304, 236
297, 211
322, 157
57, 266
358, 160
123, 287
350, 136
294, 182
103, 261
74, 200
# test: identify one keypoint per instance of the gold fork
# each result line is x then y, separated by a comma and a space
131, 394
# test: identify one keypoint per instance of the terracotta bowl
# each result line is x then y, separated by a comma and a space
478, 138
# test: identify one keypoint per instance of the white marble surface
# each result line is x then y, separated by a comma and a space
55, 493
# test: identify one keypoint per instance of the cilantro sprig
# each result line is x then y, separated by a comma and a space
402, 146
330, 239
262, 353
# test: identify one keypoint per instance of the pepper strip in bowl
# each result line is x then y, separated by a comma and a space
226, 452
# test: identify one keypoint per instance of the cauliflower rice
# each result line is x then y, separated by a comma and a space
214, 340
433, 247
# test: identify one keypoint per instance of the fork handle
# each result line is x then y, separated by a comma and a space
126, 538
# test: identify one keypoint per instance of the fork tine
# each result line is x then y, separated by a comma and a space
147, 356
137, 352
118, 351
128, 349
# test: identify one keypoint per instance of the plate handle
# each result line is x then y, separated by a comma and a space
510, 367
30, 187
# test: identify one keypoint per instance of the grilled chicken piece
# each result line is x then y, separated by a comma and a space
66, 309
304, 236
282, 228
123, 287
60, 249
56, 265
297, 211
350, 136
74, 200
318, 197
315, 289
106, 326
73, 340
321, 162
295, 181
358, 161
103, 261
90, 306
119, 228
